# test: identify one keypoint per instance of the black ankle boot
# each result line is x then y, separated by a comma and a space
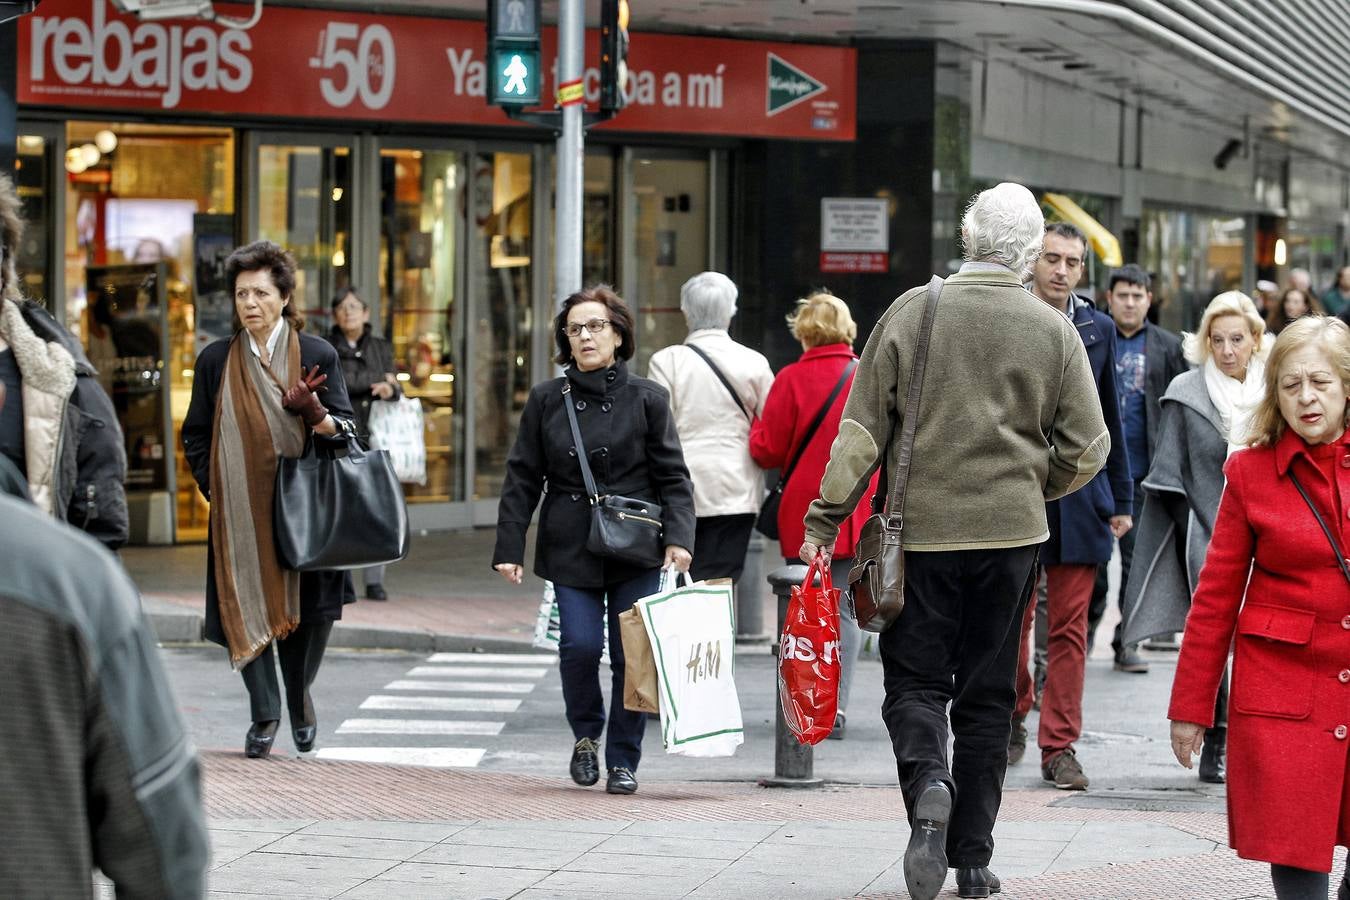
258, 741
1214, 756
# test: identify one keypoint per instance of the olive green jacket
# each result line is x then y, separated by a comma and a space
1009, 418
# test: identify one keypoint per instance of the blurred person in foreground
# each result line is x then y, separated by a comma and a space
1082, 526
1009, 418
98, 770
1275, 588
368, 371
826, 330
1206, 416
1147, 359
717, 388
58, 427
633, 450
1293, 304
1337, 298
255, 399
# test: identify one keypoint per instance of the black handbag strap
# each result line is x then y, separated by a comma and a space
912, 401
815, 424
586, 475
722, 378
1331, 538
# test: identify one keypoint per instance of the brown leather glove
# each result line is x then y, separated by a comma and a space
303, 397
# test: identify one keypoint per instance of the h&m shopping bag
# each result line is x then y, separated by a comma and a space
640, 690
808, 657
396, 426
693, 635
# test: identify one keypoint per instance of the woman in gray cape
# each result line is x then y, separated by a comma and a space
1206, 415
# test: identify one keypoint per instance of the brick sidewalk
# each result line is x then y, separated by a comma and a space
833, 842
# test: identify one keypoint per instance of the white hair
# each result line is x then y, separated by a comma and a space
1004, 225
708, 300
1195, 345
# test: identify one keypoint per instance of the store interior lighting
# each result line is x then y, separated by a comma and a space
105, 141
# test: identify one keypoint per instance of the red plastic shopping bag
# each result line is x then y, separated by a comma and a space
808, 657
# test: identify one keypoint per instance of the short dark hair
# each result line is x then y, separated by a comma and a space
620, 319
278, 261
1130, 274
1065, 230
343, 293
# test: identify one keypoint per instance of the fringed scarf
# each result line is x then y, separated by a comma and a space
259, 599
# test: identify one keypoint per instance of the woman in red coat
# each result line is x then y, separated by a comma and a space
1289, 705
826, 330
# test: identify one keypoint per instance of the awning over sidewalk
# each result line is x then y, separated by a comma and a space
1104, 243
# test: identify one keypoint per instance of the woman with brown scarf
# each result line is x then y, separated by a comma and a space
256, 399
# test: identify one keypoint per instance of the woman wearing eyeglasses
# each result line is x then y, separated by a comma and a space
629, 437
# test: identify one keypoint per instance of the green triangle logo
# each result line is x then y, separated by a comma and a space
787, 86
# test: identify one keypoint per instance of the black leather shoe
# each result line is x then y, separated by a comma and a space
926, 855
304, 737
1214, 756
621, 781
258, 741
376, 592
977, 882
585, 766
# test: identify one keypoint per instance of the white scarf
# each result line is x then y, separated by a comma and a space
1236, 400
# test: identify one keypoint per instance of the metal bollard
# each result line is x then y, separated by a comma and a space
749, 596
792, 761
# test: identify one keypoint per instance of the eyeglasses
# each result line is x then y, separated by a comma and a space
594, 326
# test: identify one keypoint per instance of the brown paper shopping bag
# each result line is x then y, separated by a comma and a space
639, 666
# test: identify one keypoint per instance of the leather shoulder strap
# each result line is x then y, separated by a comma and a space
586, 475
915, 388
722, 378
1331, 538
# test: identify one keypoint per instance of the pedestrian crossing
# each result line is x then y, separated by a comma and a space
450, 696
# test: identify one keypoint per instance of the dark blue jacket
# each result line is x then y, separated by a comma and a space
1079, 523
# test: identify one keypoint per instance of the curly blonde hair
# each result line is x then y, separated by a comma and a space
11, 233
821, 319
1327, 332
1195, 346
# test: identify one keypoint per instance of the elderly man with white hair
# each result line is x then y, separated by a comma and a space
717, 387
1008, 418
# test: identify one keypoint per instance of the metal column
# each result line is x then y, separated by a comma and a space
571, 152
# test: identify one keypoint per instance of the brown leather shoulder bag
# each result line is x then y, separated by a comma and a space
877, 579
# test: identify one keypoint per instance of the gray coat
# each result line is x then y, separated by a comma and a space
1181, 501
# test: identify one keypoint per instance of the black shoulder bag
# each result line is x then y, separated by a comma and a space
1331, 538
722, 378
767, 523
622, 528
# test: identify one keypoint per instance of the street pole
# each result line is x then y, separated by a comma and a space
570, 153
9, 89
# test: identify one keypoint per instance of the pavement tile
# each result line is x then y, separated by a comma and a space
454, 880
347, 847
526, 836
227, 846
500, 857
430, 832
815, 871
714, 831
279, 885
1036, 831
597, 826
270, 826
878, 835
692, 848
232, 895
299, 867
663, 886
621, 863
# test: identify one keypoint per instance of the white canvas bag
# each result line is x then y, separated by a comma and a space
396, 426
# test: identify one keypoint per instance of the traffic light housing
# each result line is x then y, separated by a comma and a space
614, 15
514, 63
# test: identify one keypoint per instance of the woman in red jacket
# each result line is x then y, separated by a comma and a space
826, 330
1290, 688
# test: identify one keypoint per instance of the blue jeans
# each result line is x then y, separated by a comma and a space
581, 620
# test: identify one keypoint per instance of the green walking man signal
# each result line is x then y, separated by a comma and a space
515, 76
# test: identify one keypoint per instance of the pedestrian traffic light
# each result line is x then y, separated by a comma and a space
613, 54
514, 72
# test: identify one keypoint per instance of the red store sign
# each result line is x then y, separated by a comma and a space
309, 63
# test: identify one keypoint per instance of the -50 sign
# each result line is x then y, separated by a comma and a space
365, 62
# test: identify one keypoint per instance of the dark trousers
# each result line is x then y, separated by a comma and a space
956, 641
720, 543
581, 620
300, 654
1097, 608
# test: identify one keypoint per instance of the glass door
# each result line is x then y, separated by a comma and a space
302, 199
420, 303
666, 241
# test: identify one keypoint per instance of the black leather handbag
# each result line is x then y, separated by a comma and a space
622, 528
336, 510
